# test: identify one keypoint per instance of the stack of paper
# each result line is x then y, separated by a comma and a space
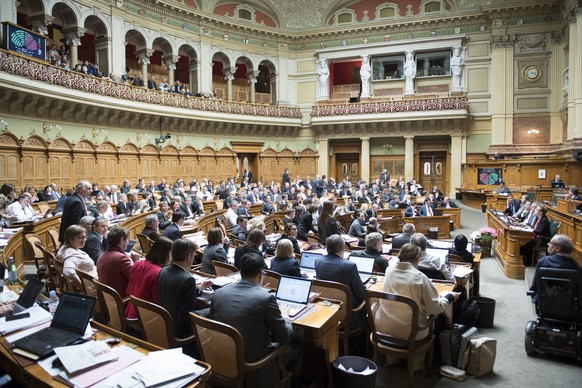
166, 365
38, 315
85, 356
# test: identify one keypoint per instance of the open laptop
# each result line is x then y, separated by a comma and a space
307, 263
293, 293
558, 185
130, 246
442, 254
365, 266
68, 325
31, 291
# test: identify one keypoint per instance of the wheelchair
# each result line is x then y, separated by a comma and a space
558, 327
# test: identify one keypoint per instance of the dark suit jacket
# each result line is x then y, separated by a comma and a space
42, 196
318, 187
241, 251
554, 261
304, 226
287, 266
296, 248
172, 232
424, 211
327, 229
213, 252
164, 222
400, 240
94, 247
255, 314
121, 208
336, 269
177, 293
239, 232
73, 211
267, 208
379, 260
451, 204
409, 211
513, 208
151, 233
542, 228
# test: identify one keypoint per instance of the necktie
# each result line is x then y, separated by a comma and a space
429, 210
535, 227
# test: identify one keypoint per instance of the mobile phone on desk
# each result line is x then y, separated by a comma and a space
17, 317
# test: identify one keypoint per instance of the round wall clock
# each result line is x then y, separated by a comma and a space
532, 73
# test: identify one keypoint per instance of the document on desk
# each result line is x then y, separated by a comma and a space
81, 357
460, 271
38, 315
8, 296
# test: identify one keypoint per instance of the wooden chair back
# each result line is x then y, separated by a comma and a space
223, 269
112, 303
54, 236
34, 254
88, 288
51, 278
456, 259
271, 279
222, 346
156, 323
145, 243
60, 284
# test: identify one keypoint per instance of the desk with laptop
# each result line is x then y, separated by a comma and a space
28, 355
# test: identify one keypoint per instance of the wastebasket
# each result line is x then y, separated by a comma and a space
350, 379
487, 311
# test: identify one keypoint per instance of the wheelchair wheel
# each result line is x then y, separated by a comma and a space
529, 345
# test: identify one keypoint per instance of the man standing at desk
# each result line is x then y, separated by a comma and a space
75, 208
254, 312
557, 182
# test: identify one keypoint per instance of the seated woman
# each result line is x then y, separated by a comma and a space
290, 233
541, 231
114, 264
217, 249
327, 224
284, 261
405, 279
73, 257
252, 245
143, 276
305, 224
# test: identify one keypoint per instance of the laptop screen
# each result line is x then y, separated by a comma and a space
364, 264
30, 292
308, 259
293, 289
73, 312
442, 254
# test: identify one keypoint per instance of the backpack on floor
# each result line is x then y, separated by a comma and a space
468, 313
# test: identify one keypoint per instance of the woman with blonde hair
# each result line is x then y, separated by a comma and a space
284, 261
73, 257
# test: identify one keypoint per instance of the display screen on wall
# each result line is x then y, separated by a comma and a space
24, 42
489, 176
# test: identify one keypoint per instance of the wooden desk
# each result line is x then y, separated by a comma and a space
319, 326
473, 198
440, 287
506, 248
455, 214
422, 225
391, 225
34, 376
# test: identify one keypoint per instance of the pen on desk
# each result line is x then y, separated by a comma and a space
266, 285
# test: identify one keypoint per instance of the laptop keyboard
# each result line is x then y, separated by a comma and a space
16, 308
294, 308
53, 337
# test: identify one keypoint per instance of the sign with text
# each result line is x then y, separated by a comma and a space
23, 41
489, 176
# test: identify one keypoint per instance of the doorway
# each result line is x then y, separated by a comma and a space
348, 164
432, 170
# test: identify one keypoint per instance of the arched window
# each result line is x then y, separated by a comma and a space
387, 11
245, 12
432, 6
344, 16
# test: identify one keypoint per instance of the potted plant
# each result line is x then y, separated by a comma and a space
483, 238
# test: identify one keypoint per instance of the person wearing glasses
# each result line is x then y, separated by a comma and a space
73, 257
290, 233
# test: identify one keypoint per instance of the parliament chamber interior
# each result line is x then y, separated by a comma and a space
207, 132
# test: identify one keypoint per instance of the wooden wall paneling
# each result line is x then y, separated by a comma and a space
84, 162
189, 164
286, 160
34, 162
9, 158
129, 163
107, 162
170, 163
225, 164
60, 163
207, 163
269, 166
150, 157
308, 163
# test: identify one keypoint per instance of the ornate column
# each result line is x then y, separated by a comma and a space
575, 64
170, 62
143, 57
323, 152
322, 80
502, 89
194, 71
117, 66
409, 157
103, 54
464, 149
8, 14
365, 159
73, 40
229, 77
556, 80
39, 22
252, 77
456, 161
273, 88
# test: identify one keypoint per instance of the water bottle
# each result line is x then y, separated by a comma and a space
12, 274
53, 301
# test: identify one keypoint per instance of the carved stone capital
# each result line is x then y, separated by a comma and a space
229, 73
170, 61
252, 76
502, 41
144, 56
40, 22
572, 11
532, 43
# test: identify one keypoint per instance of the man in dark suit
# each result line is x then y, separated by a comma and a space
318, 186
374, 249
255, 313
152, 83
162, 217
151, 227
560, 248
177, 290
335, 268
407, 231
240, 229
96, 242
173, 230
427, 210
286, 178
385, 177
248, 175
447, 203
541, 230
267, 207
243, 209
75, 207
512, 206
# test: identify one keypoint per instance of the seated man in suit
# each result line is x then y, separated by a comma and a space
96, 242
173, 230
357, 226
560, 248
373, 249
151, 227
177, 290
407, 231
254, 312
267, 207
512, 206
557, 182
335, 268
162, 215
503, 189
240, 230
447, 203
427, 210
